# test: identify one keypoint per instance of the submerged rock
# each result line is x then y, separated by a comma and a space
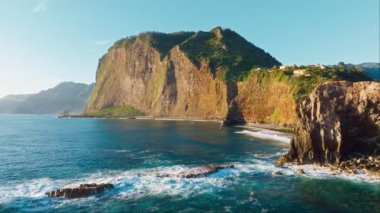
84, 190
198, 172
300, 171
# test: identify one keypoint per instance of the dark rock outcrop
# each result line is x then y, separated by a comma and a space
199, 172
337, 120
84, 190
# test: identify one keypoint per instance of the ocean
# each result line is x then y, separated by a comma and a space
40, 153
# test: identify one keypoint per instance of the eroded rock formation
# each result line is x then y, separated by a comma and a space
337, 120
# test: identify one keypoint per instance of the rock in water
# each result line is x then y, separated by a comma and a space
336, 120
300, 171
84, 190
204, 171
199, 172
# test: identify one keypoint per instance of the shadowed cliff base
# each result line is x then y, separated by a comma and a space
234, 115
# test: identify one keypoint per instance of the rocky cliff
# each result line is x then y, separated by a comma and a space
186, 74
203, 75
264, 98
338, 119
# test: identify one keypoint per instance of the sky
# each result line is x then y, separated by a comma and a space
45, 42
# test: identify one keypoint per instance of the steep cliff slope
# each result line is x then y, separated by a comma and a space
178, 75
336, 120
264, 97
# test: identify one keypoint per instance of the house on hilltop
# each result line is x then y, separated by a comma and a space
321, 66
299, 72
286, 67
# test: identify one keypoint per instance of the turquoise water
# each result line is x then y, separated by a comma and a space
43, 153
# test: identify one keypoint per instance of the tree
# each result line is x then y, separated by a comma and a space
341, 66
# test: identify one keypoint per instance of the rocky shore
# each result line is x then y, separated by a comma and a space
367, 165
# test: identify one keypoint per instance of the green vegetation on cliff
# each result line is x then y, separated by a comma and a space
227, 52
302, 85
115, 112
162, 42
272, 95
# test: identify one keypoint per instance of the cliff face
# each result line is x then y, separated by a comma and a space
136, 76
263, 100
180, 74
337, 120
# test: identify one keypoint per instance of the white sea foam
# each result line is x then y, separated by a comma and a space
267, 134
266, 155
319, 172
138, 183
118, 151
131, 184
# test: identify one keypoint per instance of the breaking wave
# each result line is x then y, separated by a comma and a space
139, 183
267, 134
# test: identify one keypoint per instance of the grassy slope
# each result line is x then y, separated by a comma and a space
303, 85
162, 42
223, 49
229, 55
271, 95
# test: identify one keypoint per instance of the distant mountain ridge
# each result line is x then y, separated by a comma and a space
9, 103
372, 69
66, 97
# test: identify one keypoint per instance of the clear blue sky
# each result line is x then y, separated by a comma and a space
44, 42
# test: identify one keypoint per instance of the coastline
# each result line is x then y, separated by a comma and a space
144, 118
287, 131
264, 132
148, 158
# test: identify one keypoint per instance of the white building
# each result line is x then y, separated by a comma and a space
299, 72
